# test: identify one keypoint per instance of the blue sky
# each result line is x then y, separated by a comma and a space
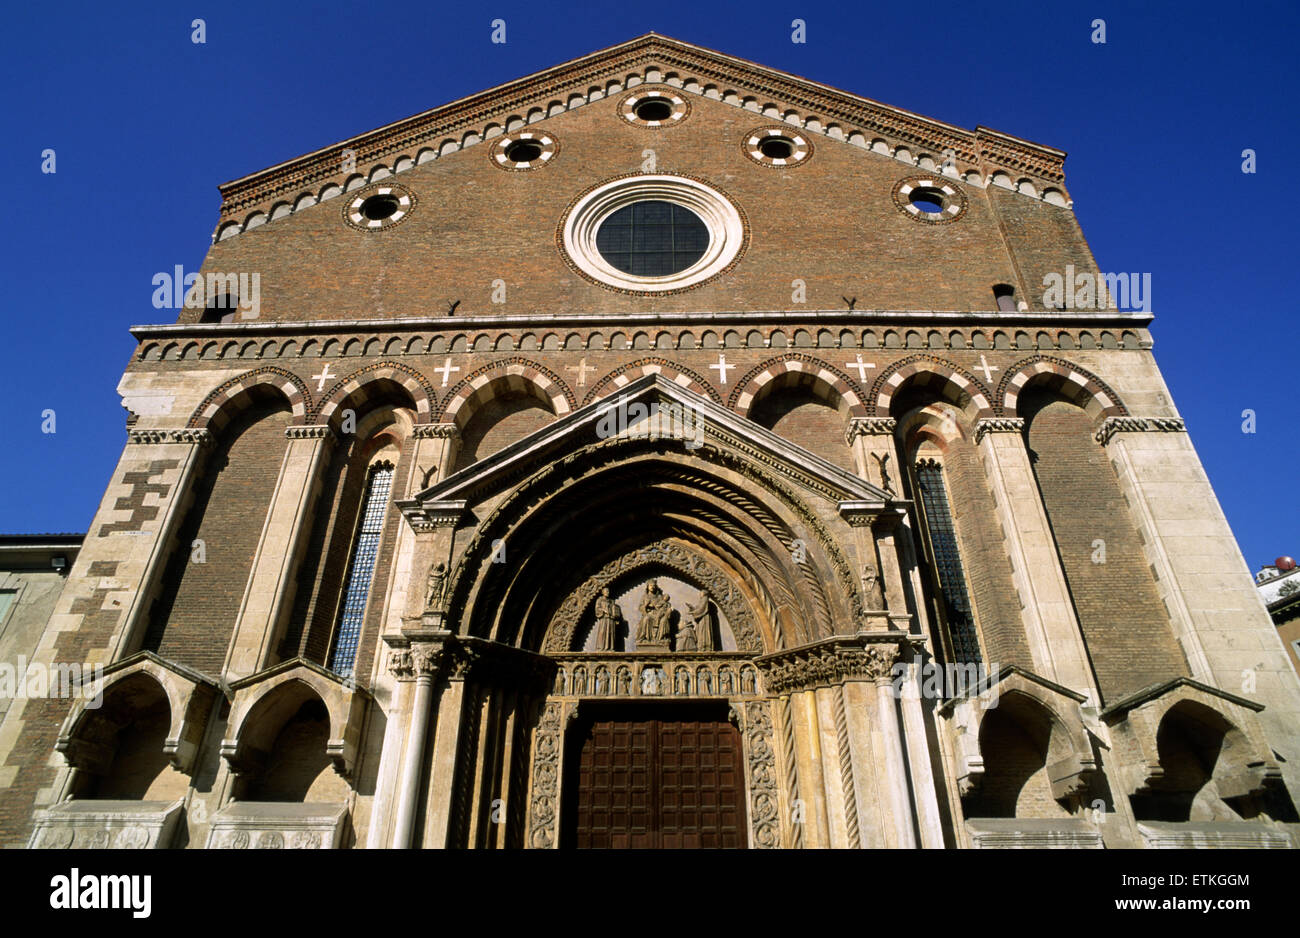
145, 124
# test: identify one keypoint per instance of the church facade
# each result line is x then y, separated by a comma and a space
659, 450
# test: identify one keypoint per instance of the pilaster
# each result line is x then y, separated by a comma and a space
1051, 626
268, 597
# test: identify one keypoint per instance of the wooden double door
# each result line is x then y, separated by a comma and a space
654, 776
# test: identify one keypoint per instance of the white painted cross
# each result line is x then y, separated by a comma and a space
320, 378
721, 368
861, 366
581, 368
987, 369
446, 371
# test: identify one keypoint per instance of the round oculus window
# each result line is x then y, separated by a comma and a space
654, 107
652, 238
652, 234
930, 199
378, 207
519, 152
777, 146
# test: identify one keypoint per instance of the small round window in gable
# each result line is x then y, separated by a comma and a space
378, 207
654, 108
523, 151
777, 147
932, 200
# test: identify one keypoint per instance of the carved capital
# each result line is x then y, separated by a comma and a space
314, 432
192, 435
998, 425
436, 431
1114, 425
200, 435
834, 662
146, 436
869, 426
420, 659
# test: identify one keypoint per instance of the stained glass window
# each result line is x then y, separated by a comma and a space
361, 569
947, 560
652, 238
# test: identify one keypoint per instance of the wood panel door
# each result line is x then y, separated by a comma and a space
655, 777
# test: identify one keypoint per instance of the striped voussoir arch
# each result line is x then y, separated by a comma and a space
628, 373
925, 371
370, 382
230, 398
509, 376
1066, 378
820, 374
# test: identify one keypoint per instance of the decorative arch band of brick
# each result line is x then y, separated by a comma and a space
1066, 378
651, 366
368, 383
826, 380
511, 375
235, 395
948, 380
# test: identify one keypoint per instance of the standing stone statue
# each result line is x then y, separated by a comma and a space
607, 616
873, 597
702, 623
436, 586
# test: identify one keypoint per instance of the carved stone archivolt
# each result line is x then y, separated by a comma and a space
832, 662
476, 559
579, 608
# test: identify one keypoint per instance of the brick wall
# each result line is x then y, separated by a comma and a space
984, 555
1125, 626
194, 617
499, 423
830, 222
805, 420
1015, 782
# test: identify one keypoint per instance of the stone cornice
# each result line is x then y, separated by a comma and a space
862, 657
1115, 425
426, 516
998, 425
787, 318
